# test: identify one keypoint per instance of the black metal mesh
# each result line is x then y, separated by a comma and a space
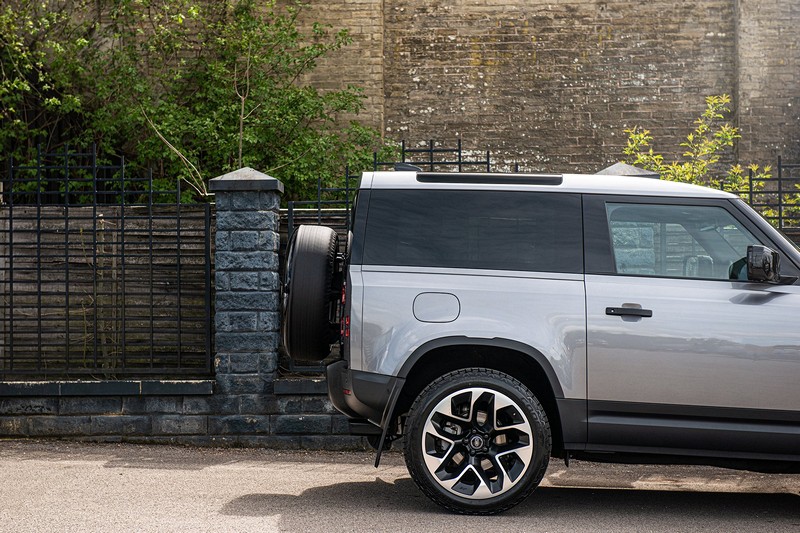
100, 274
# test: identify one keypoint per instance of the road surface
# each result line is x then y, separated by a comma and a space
68, 486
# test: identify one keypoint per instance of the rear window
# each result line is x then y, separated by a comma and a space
492, 230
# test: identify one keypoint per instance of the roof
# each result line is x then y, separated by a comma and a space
583, 183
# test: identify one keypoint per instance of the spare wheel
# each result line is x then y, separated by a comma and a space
309, 293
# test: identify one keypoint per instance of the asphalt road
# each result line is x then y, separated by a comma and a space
58, 486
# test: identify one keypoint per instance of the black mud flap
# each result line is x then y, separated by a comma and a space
386, 419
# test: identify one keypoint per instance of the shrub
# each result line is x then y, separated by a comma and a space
190, 88
703, 149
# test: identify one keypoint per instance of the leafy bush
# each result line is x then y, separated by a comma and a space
704, 147
191, 88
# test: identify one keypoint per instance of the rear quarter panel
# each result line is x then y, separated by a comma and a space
543, 311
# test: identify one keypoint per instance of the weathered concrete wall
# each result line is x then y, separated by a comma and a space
769, 80
552, 85
361, 63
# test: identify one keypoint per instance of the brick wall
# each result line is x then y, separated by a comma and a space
552, 85
769, 80
361, 63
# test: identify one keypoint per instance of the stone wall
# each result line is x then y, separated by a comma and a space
361, 63
293, 416
552, 85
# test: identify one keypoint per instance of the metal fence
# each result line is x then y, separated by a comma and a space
104, 275
101, 275
776, 198
788, 191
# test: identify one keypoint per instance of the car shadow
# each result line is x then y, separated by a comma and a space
378, 504
399, 496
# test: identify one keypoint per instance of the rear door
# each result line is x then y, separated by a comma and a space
683, 353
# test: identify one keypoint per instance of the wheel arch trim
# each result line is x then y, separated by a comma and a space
495, 342
446, 342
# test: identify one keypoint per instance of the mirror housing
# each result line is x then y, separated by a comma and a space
763, 264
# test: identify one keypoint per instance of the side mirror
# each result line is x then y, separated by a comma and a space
763, 264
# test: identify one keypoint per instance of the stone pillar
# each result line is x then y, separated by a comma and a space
247, 294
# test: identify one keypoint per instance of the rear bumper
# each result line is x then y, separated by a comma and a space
359, 395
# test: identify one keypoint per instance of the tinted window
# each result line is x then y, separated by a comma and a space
493, 230
678, 241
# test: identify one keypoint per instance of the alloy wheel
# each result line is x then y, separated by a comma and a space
477, 443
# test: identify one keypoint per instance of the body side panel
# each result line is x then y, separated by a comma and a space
534, 310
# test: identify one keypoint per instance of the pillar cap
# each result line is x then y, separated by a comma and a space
245, 179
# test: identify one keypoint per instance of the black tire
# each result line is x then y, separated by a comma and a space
496, 456
309, 293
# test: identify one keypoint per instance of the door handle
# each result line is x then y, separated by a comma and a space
629, 311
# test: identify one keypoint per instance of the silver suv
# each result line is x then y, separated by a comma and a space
496, 320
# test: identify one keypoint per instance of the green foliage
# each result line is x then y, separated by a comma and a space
703, 149
192, 88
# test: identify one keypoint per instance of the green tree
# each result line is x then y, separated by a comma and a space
703, 149
701, 161
191, 88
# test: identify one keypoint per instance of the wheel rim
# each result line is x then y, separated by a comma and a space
477, 443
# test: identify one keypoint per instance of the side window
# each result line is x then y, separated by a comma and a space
493, 230
680, 241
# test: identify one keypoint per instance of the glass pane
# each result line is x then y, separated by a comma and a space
702, 242
494, 230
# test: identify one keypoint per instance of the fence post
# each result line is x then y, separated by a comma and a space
247, 296
780, 193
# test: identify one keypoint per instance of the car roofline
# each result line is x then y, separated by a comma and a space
575, 183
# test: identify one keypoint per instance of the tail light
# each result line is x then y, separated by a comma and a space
344, 326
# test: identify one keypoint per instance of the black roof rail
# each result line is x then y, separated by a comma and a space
490, 178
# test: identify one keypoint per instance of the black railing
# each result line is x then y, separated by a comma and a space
432, 157
788, 195
777, 198
102, 275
